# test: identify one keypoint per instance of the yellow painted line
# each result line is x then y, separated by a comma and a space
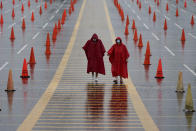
74, 113
101, 110
140, 108
106, 117
136, 120
60, 123
82, 104
36, 112
79, 127
59, 107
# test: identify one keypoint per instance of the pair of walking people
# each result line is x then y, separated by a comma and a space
118, 57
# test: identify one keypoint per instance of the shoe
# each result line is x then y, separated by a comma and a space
96, 79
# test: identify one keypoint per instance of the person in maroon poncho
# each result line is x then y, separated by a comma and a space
94, 50
118, 56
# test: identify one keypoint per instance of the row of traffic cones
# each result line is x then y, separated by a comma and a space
120, 10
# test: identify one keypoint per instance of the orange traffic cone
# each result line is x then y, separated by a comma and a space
50, 1
140, 44
127, 21
40, 10
72, 6
13, 2
135, 38
185, 4
24, 70
36, 1
59, 24
22, 8
154, 16
45, 5
176, 1
32, 57
192, 20
47, 52
183, 35
177, 12
149, 10
157, 2
147, 60
10, 83
126, 30
12, 36
133, 24
122, 15
165, 25
167, 7
54, 34
48, 39
159, 74
13, 13
70, 11
23, 24
148, 49
32, 17
140, 5
29, 3
1, 20
1, 5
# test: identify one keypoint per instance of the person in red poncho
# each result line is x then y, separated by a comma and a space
118, 56
94, 50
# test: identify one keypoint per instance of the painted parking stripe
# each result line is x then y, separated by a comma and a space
146, 26
188, 68
22, 49
192, 35
3, 66
178, 26
169, 51
34, 37
45, 25
155, 36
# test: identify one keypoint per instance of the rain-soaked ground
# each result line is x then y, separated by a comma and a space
159, 97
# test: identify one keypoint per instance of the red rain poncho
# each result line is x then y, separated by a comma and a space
118, 55
94, 53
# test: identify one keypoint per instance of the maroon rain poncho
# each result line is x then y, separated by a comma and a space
94, 52
118, 55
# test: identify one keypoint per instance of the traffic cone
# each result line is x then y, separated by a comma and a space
133, 24
59, 24
122, 15
29, 3
12, 36
54, 34
45, 5
36, 1
159, 74
165, 25
70, 11
135, 38
72, 7
183, 35
13, 13
40, 10
1, 5
24, 70
50, 1
127, 21
13, 2
185, 4
180, 86
140, 44
148, 49
23, 24
32, 57
154, 16
47, 52
140, 5
192, 20
10, 83
176, 1
177, 12
126, 30
48, 39
189, 107
147, 60
149, 10
1, 20
167, 7
22, 8
32, 17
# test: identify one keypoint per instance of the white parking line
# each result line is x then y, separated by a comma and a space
3, 66
138, 17
167, 17
10, 26
36, 35
7, 11
57, 11
178, 26
146, 26
173, 5
44, 26
22, 49
133, 11
169, 51
156, 37
51, 17
192, 35
183, 10
38, 6
129, 6
188, 68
